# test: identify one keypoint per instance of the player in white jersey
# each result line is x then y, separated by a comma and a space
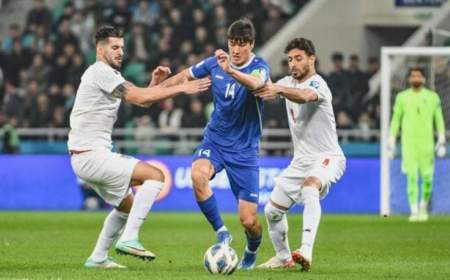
318, 159
110, 174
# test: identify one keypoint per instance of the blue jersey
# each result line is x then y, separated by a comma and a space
236, 121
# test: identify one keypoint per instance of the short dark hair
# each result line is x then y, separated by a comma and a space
337, 56
104, 32
241, 30
302, 44
416, 69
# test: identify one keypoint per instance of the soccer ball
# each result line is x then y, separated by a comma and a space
220, 259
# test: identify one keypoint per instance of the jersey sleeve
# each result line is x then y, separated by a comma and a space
261, 70
203, 68
320, 88
438, 117
396, 116
108, 79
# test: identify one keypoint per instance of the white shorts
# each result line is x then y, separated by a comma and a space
108, 173
287, 191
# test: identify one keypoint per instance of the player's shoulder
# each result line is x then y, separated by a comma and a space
257, 60
209, 61
100, 68
403, 93
317, 81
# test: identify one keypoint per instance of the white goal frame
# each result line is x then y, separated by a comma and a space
387, 67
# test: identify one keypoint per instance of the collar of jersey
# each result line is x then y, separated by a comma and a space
252, 56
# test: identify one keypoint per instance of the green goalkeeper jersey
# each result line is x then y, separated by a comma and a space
415, 111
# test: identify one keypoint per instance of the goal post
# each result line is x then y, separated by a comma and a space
392, 59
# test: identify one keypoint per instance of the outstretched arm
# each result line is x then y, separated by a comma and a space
146, 96
251, 81
177, 79
300, 96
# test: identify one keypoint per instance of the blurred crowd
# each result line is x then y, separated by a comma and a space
43, 57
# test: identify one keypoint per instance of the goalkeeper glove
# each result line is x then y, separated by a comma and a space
391, 148
440, 146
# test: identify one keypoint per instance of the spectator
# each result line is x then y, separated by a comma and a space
273, 24
11, 142
38, 15
359, 87
13, 35
146, 15
12, 101
373, 65
119, 15
194, 116
170, 117
339, 83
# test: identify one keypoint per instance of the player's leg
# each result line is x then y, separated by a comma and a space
253, 231
152, 180
322, 174
276, 217
112, 227
410, 166
427, 171
204, 166
311, 218
244, 183
413, 194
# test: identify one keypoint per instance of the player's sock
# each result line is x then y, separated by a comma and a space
253, 242
210, 209
412, 193
112, 226
143, 201
427, 187
311, 217
278, 231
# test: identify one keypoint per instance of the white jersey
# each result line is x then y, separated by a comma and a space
95, 109
312, 125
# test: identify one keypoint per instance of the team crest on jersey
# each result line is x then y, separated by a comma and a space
326, 162
314, 84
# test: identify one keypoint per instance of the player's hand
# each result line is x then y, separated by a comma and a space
391, 148
440, 148
196, 86
224, 60
160, 74
268, 92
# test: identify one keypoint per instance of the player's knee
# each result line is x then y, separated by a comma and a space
313, 182
249, 222
273, 213
199, 178
158, 175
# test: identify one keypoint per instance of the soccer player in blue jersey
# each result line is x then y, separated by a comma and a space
231, 138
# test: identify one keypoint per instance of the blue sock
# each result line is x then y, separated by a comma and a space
211, 212
253, 242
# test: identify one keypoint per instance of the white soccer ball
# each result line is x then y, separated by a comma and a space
220, 259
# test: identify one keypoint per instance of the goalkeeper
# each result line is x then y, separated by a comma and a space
415, 110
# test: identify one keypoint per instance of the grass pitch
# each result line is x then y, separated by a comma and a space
54, 245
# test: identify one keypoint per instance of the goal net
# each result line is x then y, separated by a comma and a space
395, 63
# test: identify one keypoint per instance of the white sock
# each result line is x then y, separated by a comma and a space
143, 201
112, 227
278, 231
311, 219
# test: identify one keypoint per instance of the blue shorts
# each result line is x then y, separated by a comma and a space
242, 168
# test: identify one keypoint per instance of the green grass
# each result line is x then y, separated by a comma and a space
55, 245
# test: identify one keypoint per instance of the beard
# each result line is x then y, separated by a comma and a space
114, 63
416, 84
300, 74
